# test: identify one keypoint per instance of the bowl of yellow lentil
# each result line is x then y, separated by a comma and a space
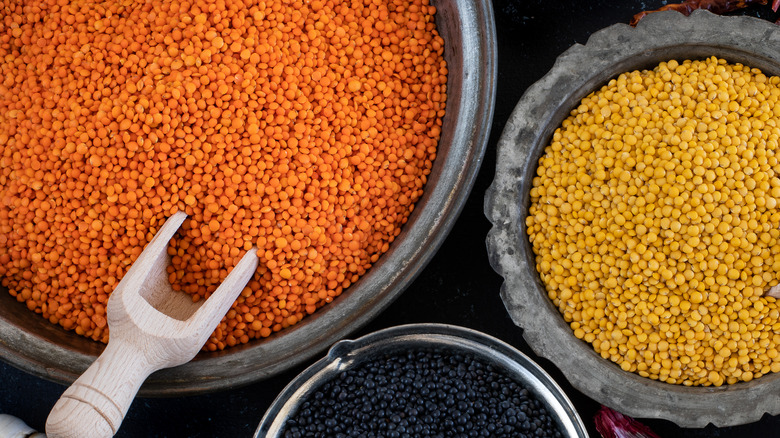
340, 140
635, 222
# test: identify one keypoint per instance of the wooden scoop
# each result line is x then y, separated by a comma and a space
151, 327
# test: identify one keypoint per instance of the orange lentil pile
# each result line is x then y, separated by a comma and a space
306, 129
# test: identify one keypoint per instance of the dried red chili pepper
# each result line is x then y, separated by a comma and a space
612, 424
714, 6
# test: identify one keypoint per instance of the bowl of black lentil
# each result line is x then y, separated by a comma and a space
422, 380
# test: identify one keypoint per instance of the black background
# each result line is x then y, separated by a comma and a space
457, 287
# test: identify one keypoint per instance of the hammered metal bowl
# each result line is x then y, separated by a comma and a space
34, 345
577, 72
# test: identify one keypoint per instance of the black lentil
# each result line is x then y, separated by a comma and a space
421, 393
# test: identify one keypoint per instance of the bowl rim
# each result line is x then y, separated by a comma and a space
347, 354
576, 73
467, 126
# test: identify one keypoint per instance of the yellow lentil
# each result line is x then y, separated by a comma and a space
655, 200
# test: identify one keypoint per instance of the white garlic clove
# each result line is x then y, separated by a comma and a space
12, 427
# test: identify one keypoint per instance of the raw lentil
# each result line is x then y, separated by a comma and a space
655, 224
307, 129
419, 393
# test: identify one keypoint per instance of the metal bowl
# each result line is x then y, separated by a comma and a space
579, 71
347, 355
34, 345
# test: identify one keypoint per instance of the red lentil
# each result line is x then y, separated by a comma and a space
307, 129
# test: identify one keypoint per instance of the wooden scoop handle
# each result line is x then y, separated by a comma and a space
96, 403
144, 338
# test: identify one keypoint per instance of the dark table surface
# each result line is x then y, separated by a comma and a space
457, 287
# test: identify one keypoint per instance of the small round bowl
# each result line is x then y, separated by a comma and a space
347, 355
32, 344
580, 70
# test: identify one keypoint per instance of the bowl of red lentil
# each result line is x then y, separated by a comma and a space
342, 141
634, 218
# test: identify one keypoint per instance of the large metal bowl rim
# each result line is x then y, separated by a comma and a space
467, 26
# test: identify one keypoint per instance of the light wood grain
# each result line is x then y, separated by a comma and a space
151, 327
